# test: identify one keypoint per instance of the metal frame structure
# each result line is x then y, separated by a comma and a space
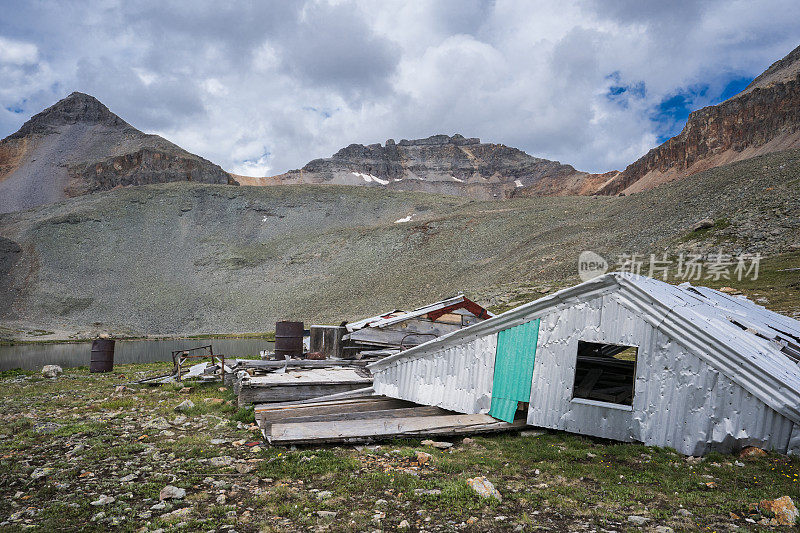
179, 358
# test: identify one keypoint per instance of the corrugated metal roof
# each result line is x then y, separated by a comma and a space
395, 316
726, 331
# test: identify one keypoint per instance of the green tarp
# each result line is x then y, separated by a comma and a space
513, 369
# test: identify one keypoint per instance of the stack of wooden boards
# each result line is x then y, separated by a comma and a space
366, 417
300, 384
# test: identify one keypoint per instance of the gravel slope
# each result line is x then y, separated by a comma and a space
186, 258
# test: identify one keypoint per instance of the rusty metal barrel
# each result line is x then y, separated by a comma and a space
288, 339
102, 355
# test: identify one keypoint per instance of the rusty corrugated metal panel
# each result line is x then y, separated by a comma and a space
288, 339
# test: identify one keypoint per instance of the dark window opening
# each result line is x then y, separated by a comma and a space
605, 372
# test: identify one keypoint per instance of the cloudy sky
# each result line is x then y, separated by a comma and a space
263, 87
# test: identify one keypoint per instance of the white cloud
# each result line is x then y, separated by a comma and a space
17, 52
266, 87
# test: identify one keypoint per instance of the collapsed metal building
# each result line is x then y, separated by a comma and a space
622, 357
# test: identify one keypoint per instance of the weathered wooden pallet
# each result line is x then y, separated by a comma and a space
368, 419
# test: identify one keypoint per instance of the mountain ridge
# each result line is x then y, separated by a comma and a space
454, 165
78, 146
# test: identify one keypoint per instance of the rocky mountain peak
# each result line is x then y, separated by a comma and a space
781, 71
75, 108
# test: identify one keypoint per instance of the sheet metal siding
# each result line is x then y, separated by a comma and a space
690, 406
680, 401
794, 441
458, 377
597, 320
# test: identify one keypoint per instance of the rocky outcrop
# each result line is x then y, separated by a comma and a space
443, 164
763, 118
79, 146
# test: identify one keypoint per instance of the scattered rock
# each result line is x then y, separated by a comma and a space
403, 525
427, 492
750, 452
244, 468
783, 508
663, 529
177, 514
467, 441
185, 390
171, 492
703, 224
218, 441
423, 458
437, 444
638, 520
41, 472
324, 494
129, 477
103, 500
532, 433
326, 514
214, 401
484, 488
224, 460
51, 371
184, 406
730, 290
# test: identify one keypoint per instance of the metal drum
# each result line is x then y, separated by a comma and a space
102, 355
288, 339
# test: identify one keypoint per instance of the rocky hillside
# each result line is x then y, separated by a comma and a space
442, 164
763, 118
78, 146
191, 258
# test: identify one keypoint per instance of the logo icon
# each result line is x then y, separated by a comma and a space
591, 265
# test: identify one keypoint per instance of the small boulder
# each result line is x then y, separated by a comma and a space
184, 406
783, 508
423, 458
51, 371
324, 494
129, 477
484, 488
41, 472
403, 525
437, 444
750, 452
638, 520
326, 514
703, 224
225, 460
730, 290
103, 500
176, 514
171, 492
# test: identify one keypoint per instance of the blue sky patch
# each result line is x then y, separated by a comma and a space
669, 116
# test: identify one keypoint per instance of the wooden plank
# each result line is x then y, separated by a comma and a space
589, 380
248, 395
359, 430
425, 410
301, 363
353, 395
330, 409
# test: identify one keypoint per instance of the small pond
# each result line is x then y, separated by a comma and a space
70, 354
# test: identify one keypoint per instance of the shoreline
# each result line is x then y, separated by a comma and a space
268, 335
